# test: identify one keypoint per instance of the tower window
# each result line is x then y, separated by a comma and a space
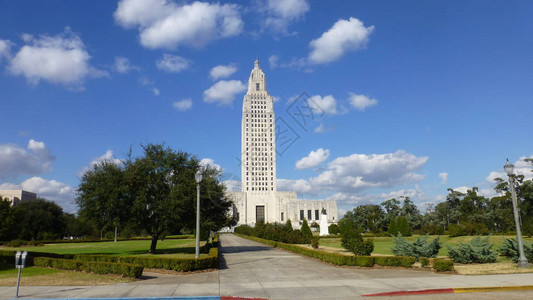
257, 86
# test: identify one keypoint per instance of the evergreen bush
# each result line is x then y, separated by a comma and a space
479, 250
509, 248
443, 265
419, 248
352, 240
288, 226
305, 229
424, 262
315, 242
333, 229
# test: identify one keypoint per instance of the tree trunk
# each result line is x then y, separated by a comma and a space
115, 234
153, 245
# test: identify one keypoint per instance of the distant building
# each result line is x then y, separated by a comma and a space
259, 199
15, 196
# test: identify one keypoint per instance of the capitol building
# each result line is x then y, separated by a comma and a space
259, 199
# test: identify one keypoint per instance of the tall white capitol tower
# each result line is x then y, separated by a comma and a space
258, 198
258, 137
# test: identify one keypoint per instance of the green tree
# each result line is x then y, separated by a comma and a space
7, 220
403, 226
305, 228
393, 227
288, 226
163, 189
39, 219
104, 197
351, 238
369, 217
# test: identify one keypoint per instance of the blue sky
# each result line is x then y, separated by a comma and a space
410, 98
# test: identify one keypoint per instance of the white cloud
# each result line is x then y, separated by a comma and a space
223, 92
5, 49
155, 91
211, 163
352, 199
279, 13
323, 105
361, 102
312, 160
322, 129
273, 61
357, 172
443, 177
183, 105
343, 36
123, 65
222, 71
15, 160
108, 156
59, 192
166, 24
233, 185
60, 59
172, 63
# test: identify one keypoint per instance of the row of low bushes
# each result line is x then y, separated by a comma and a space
19, 243
349, 260
72, 262
168, 263
124, 269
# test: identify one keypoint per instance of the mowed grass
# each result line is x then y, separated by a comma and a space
383, 245
35, 276
169, 247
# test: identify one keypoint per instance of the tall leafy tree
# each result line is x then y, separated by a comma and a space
104, 196
39, 219
7, 220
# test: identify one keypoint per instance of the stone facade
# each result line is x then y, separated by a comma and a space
259, 199
15, 196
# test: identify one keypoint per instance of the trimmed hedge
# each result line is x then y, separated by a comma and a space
128, 270
443, 265
168, 263
395, 261
340, 259
424, 262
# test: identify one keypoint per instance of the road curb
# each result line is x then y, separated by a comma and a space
454, 290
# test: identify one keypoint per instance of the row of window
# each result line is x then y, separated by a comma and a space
309, 215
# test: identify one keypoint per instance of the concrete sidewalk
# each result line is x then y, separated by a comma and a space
251, 269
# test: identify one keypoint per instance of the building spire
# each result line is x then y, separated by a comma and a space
256, 64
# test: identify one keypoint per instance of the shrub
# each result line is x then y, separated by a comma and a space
305, 229
403, 226
315, 242
333, 229
18, 243
420, 247
352, 240
128, 270
393, 227
443, 265
467, 228
288, 226
395, 261
431, 229
424, 262
315, 225
509, 248
358, 245
479, 250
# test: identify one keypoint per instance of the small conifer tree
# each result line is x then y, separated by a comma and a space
306, 230
288, 226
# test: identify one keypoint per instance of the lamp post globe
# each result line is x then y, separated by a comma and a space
522, 260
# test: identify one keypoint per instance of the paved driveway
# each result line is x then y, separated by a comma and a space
252, 269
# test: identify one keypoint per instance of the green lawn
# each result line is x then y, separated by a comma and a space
181, 247
33, 276
383, 245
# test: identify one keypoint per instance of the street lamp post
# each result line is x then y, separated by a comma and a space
522, 261
198, 178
